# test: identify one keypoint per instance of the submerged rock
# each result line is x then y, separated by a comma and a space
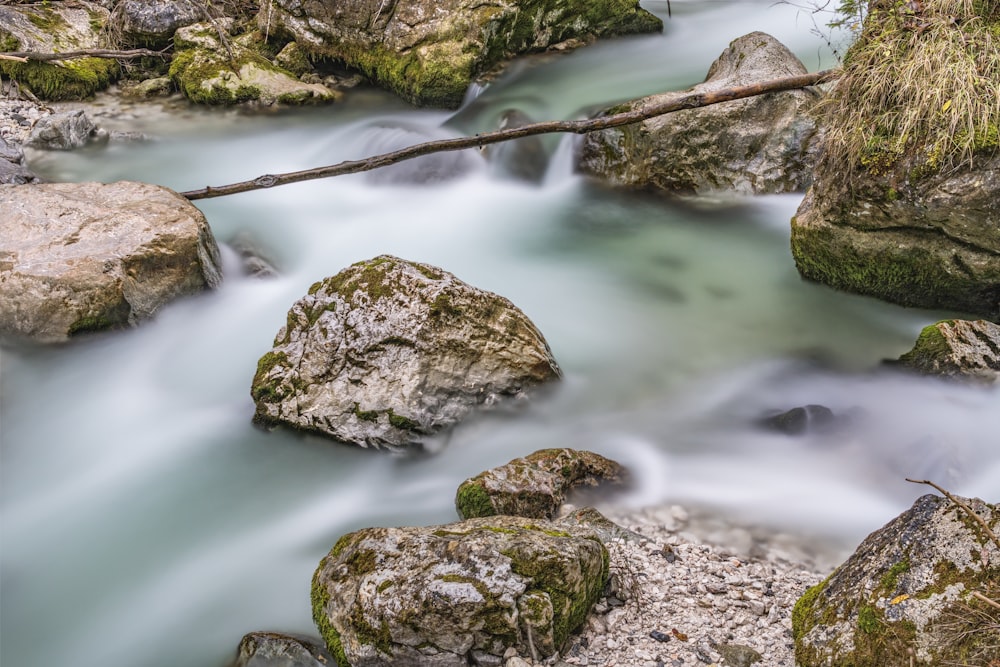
536, 485
429, 52
82, 257
457, 594
388, 351
273, 649
205, 73
762, 144
805, 419
957, 348
906, 594
56, 27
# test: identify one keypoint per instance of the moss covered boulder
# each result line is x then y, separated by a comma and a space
957, 348
83, 257
905, 204
206, 74
911, 594
537, 485
389, 351
56, 28
762, 144
429, 52
457, 594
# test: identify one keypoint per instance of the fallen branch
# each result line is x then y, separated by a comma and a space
86, 53
968, 510
992, 603
678, 103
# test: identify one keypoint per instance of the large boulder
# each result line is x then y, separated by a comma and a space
905, 204
152, 23
457, 594
535, 485
908, 595
757, 145
56, 28
80, 257
205, 73
429, 52
957, 348
388, 351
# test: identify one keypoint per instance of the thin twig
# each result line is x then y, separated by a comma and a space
992, 603
961, 504
86, 53
675, 103
5, 56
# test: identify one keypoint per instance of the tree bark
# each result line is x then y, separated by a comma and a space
683, 101
24, 56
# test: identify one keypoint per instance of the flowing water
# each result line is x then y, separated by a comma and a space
146, 523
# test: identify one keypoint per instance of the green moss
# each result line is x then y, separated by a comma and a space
91, 324
320, 600
403, 423
74, 80
365, 415
199, 73
891, 578
367, 634
385, 585
442, 306
931, 344
868, 621
8, 43
472, 500
264, 389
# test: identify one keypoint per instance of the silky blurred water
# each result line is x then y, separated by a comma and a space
145, 522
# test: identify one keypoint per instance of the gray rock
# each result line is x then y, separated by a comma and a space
762, 144
957, 348
273, 649
443, 594
62, 131
429, 52
80, 257
536, 485
157, 87
388, 351
152, 23
738, 655
12, 169
805, 419
907, 590
523, 159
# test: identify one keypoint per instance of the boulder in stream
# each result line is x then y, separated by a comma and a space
458, 594
957, 348
389, 351
757, 145
908, 594
56, 27
274, 649
535, 485
82, 257
62, 131
429, 52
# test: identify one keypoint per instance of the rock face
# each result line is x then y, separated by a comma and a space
907, 590
957, 348
272, 649
80, 257
56, 28
202, 70
152, 23
762, 144
904, 206
457, 594
535, 486
387, 351
429, 52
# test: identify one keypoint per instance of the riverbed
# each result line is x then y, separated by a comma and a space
147, 523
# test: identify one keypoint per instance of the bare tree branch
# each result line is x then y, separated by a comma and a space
968, 510
86, 53
678, 103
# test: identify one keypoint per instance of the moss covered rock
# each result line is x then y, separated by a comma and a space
457, 594
429, 52
56, 28
757, 145
905, 204
957, 348
535, 486
83, 257
905, 596
389, 351
205, 73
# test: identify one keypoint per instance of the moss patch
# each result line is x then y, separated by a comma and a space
263, 388
472, 501
74, 80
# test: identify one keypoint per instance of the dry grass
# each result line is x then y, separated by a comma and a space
921, 89
974, 625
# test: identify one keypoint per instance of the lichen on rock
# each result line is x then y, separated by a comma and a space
388, 352
441, 594
904, 593
535, 485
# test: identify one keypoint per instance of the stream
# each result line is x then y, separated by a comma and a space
147, 523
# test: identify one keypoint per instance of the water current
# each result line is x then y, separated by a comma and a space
146, 523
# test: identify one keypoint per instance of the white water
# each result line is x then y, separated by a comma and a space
146, 523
